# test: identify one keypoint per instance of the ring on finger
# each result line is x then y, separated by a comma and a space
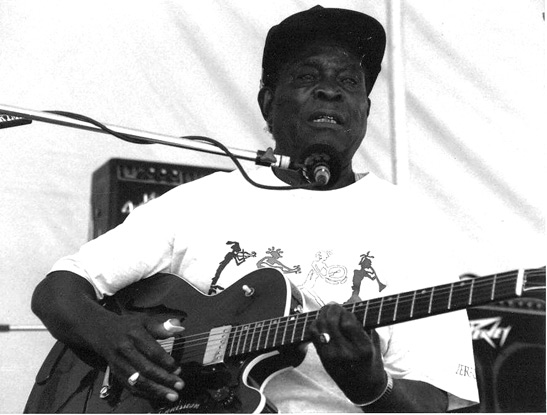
132, 380
324, 338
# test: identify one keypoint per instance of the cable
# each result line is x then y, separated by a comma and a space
208, 140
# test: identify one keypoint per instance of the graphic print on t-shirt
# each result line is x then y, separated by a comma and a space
366, 270
272, 261
238, 255
324, 273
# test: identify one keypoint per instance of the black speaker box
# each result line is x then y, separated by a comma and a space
509, 346
120, 185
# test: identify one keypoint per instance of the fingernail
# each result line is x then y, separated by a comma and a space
177, 372
179, 385
172, 397
169, 326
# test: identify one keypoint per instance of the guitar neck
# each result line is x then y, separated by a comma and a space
383, 311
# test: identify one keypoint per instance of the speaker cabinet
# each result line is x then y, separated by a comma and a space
120, 185
509, 346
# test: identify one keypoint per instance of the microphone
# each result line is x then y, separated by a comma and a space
321, 164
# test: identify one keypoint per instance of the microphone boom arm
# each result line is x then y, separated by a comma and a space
263, 158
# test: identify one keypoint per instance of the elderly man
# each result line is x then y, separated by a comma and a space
341, 241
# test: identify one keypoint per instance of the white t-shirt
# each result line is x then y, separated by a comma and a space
363, 241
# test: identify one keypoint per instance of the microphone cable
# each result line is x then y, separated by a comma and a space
216, 143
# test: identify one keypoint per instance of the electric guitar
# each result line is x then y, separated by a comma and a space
234, 340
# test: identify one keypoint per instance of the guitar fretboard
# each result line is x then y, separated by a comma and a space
289, 330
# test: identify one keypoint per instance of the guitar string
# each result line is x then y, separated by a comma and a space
410, 293
292, 325
426, 291
292, 322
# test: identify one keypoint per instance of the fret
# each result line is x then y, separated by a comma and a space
388, 310
252, 336
404, 306
461, 294
261, 325
493, 294
443, 299
471, 292
372, 313
284, 331
421, 302
276, 322
239, 336
430, 300
396, 307
482, 291
245, 342
295, 320
413, 302
365, 315
231, 340
380, 310
266, 338
304, 327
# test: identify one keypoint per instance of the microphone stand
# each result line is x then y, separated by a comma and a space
263, 158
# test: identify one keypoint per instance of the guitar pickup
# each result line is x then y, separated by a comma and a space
216, 345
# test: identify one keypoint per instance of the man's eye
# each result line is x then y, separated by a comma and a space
305, 77
350, 81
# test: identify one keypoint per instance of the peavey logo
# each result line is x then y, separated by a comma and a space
490, 330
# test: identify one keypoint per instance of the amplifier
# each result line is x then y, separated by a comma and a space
120, 185
509, 347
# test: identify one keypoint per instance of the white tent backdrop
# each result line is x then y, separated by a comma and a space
471, 139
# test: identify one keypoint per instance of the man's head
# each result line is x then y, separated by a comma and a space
319, 67
359, 33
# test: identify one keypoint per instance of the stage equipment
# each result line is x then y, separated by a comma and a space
120, 185
509, 345
321, 175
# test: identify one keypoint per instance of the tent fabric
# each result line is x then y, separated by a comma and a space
473, 89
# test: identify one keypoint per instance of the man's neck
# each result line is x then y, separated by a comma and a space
296, 178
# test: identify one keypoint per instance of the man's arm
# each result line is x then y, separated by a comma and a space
353, 359
67, 305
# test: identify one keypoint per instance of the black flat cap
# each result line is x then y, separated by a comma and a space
359, 33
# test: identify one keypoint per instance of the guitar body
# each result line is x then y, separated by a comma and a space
70, 380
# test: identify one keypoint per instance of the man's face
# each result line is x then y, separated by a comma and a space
320, 98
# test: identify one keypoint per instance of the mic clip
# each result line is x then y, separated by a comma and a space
317, 169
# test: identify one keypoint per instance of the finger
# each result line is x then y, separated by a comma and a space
163, 329
351, 328
153, 351
140, 385
173, 326
325, 328
144, 359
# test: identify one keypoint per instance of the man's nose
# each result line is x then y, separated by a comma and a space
328, 90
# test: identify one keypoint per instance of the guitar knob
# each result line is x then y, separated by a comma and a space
248, 290
224, 396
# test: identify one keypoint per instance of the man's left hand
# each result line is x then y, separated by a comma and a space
350, 356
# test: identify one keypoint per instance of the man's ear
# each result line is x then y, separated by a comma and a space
265, 101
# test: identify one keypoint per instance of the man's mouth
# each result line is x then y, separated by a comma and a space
324, 118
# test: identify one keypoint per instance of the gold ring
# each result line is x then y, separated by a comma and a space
132, 380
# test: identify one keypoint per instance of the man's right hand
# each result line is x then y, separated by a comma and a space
67, 305
129, 345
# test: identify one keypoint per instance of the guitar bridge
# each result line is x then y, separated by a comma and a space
216, 345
